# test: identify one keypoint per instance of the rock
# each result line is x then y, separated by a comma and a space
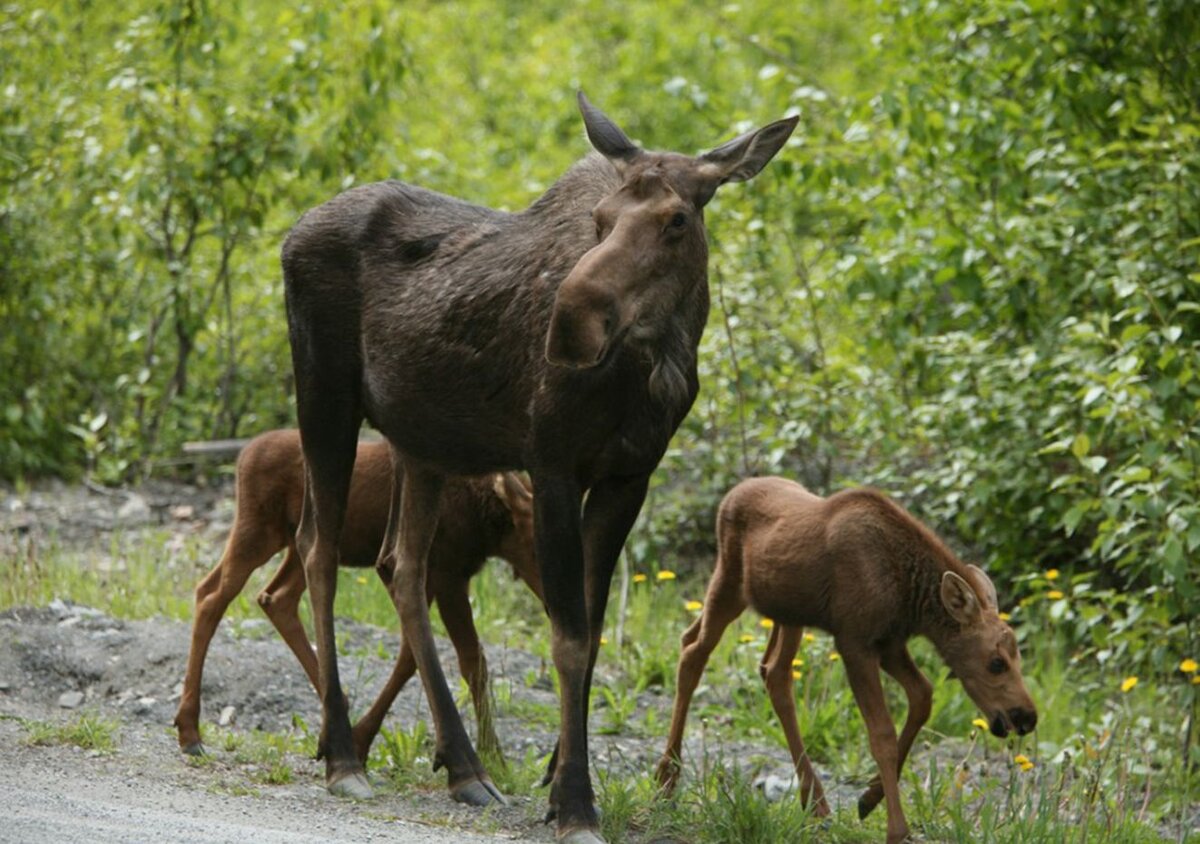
70, 700
227, 716
135, 509
177, 692
5, 686
183, 512
144, 705
776, 788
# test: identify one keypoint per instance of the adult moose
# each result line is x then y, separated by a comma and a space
561, 340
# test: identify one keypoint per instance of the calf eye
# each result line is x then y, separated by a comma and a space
997, 665
678, 221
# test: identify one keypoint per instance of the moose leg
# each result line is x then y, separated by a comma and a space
367, 727
776, 671
612, 508
560, 555
899, 664
862, 669
722, 605
454, 603
280, 600
245, 552
418, 506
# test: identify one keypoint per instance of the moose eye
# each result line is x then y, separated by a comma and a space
997, 665
678, 220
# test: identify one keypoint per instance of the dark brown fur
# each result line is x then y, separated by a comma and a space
480, 517
561, 339
858, 566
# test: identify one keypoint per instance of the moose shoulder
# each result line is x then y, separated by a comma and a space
561, 340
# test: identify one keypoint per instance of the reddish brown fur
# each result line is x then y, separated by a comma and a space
861, 568
479, 518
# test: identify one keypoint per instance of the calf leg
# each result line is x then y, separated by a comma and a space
722, 605
246, 551
862, 669
455, 606
419, 504
280, 600
898, 663
776, 672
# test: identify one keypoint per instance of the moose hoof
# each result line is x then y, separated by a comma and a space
352, 786
477, 793
194, 749
581, 836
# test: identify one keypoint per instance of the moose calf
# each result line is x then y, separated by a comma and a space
480, 517
858, 566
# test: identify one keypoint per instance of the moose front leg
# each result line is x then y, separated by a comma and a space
862, 669
899, 664
560, 555
418, 512
612, 508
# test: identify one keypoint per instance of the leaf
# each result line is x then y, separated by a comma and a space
1081, 445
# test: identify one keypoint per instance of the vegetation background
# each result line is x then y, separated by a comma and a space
972, 278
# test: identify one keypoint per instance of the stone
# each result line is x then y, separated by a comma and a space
70, 700
228, 714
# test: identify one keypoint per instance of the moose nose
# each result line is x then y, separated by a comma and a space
1023, 719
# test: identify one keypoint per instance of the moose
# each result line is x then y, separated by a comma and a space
561, 340
858, 566
479, 517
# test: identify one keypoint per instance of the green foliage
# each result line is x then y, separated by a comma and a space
87, 731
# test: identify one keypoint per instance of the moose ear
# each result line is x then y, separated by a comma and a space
985, 585
959, 599
742, 158
605, 136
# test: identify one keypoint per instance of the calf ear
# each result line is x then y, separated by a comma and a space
744, 156
959, 599
988, 588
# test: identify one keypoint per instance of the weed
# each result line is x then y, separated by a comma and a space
87, 731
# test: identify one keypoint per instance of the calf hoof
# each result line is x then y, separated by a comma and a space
580, 836
477, 793
194, 749
352, 786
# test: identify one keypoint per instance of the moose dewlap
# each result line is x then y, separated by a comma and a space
858, 566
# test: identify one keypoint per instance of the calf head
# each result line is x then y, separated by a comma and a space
651, 246
517, 545
983, 654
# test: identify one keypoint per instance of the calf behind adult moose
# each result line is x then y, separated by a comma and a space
861, 568
479, 517
561, 340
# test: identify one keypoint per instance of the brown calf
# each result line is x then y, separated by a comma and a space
861, 568
479, 517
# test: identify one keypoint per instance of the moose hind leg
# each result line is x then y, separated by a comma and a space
777, 675
419, 503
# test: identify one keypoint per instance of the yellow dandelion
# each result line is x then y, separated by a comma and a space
834, 656
796, 675
767, 623
1024, 761
1004, 616
1189, 666
1128, 683
980, 723
1052, 574
604, 640
808, 637
639, 578
665, 575
361, 579
693, 606
797, 662
746, 637
1196, 679
1054, 594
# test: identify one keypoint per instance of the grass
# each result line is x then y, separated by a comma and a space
87, 731
1104, 765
